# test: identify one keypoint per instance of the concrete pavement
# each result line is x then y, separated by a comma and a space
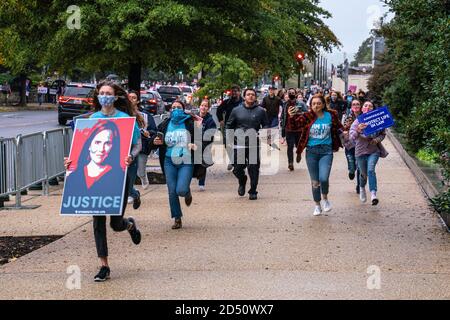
232, 248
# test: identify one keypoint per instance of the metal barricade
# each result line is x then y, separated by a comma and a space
54, 150
31, 159
30, 167
7, 166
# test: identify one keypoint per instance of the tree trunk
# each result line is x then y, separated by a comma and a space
23, 84
134, 76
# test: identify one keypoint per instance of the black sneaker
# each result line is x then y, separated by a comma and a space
103, 274
188, 200
134, 232
357, 189
241, 190
253, 196
351, 175
137, 201
178, 224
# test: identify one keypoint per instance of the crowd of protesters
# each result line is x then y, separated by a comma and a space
315, 121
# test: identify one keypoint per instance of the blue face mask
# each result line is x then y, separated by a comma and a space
106, 100
178, 116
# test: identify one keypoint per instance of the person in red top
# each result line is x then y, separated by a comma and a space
320, 133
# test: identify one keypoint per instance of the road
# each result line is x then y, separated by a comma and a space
26, 122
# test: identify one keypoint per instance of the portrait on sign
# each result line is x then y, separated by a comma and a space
95, 180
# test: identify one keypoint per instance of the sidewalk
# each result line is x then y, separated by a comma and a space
232, 248
29, 107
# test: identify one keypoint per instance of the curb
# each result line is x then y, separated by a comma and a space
424, 182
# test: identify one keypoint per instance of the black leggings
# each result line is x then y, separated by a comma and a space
117, 223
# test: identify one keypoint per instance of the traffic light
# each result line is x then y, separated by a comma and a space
340, 71
300, 56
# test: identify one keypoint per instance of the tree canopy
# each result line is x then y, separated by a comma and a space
168, 35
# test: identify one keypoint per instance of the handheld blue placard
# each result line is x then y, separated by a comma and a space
376, 120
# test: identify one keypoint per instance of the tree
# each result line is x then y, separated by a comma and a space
364, 54
23, 35
168, 35
222, 72
418, 87
173, 35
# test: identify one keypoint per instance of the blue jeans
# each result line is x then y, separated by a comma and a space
351, 160
131, 176
319, 160
352, 164
367, 164
178, 178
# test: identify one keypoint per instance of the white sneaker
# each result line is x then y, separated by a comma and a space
362, 195
374, 198
145, 183
317, 211
201, 188
130, 200
326, 206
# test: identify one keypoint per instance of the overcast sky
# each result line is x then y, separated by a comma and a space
351, 23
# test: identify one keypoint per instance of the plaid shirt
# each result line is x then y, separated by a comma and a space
307, 119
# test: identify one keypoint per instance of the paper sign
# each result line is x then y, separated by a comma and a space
95, 181
377, 120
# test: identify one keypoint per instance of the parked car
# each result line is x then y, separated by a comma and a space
151, 102
188, 93
76, 99
169, 94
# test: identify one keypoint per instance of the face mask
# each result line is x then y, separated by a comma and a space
178, 116
106, 100
292, 96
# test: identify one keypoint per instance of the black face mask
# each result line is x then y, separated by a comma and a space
292, 96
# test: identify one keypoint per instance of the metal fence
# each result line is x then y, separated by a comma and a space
7, 166
31, 159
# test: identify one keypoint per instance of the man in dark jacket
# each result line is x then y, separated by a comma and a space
243, 126
271, 104
224, 112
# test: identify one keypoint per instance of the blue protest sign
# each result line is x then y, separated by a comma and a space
376, 120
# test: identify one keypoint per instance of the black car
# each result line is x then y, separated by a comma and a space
169, 94
75, 100
152, 102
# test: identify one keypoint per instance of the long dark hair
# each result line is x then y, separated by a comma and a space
122, 103
139, 118
113, 158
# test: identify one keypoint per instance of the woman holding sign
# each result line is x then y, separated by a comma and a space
368, 150
109, 99
320, 137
